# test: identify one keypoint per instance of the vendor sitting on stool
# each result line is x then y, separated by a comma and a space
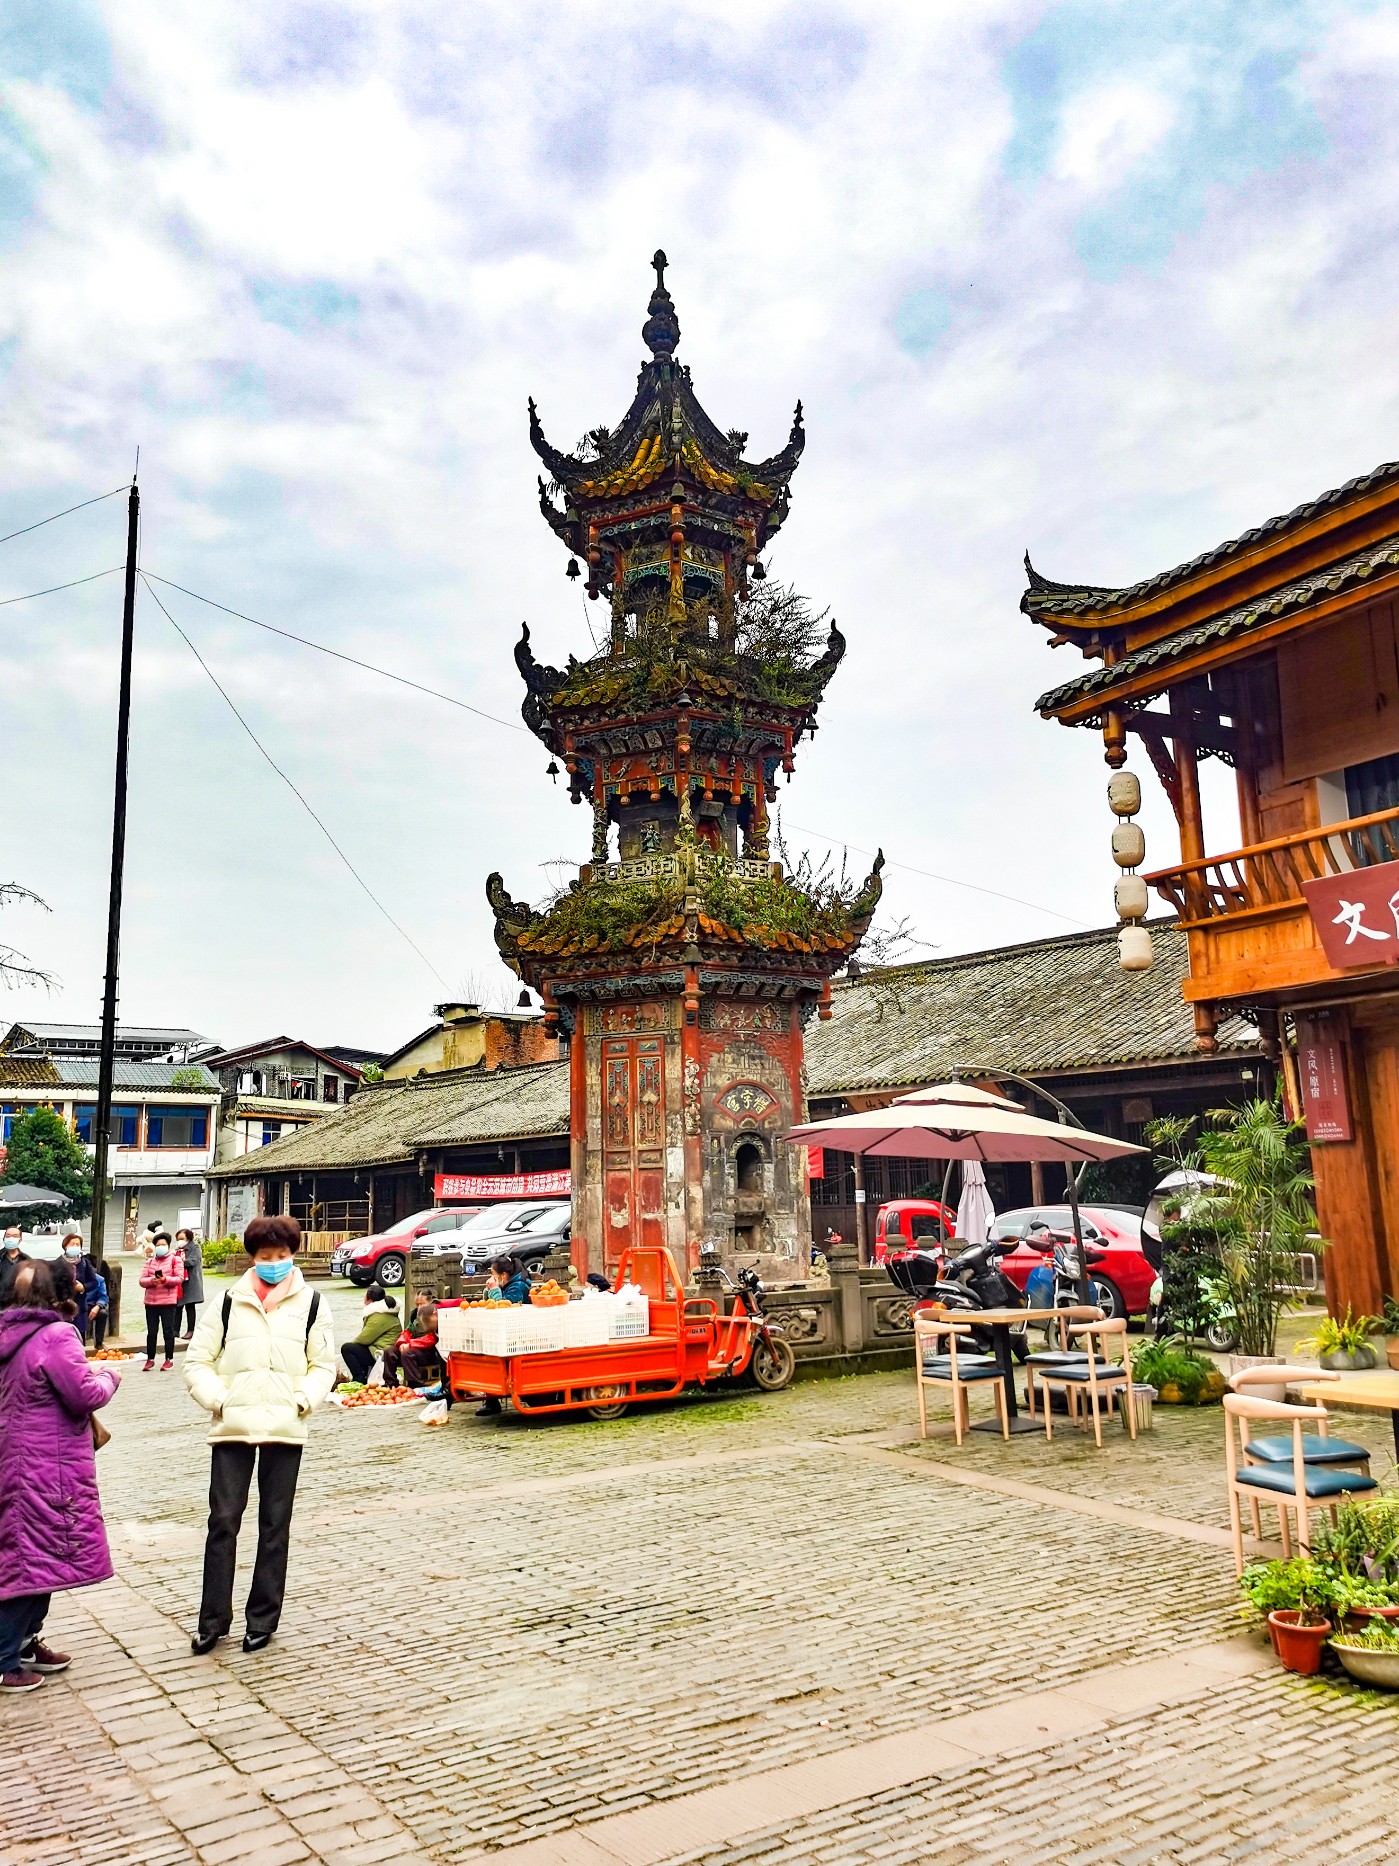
378, 1333
415, 1351
509, 1283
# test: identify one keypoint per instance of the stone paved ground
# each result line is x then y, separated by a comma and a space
500, 1636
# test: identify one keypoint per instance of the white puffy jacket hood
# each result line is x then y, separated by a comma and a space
262, 1382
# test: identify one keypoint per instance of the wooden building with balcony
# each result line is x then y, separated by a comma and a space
1278, 652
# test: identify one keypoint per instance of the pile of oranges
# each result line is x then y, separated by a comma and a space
550, 1295
108, 1354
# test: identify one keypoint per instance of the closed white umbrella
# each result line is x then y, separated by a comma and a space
975, 1212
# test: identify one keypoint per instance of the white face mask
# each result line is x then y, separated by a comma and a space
72, 1250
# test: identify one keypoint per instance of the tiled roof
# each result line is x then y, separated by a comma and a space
1043, 1009
386, 1123
1376, 560
80, 1072
1068, 599
126, 1033
27, 1072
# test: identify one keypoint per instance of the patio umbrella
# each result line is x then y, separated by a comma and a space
955, 1122
975, 1212
14, 1196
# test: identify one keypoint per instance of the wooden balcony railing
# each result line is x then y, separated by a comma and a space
1270, 874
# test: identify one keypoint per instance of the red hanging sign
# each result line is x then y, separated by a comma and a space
1356, 915
816, 1162
1321, 1064
502, 1185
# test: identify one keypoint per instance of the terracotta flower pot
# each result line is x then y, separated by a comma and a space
1298, 1640
1391, 1351
1360, 1617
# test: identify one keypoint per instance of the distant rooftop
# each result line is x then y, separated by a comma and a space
133, 1040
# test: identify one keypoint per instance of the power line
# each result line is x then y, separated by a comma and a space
385, 673
451, 700
951, 880
64, 513
55, 587
291, 786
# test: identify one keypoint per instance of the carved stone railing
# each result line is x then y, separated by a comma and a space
1270, 874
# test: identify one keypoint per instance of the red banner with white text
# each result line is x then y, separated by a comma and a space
557, 1184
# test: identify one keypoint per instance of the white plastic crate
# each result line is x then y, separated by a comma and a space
534, 1330
631, 1316
456, 1330
586, 1325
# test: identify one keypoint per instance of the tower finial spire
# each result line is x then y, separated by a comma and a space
661, 331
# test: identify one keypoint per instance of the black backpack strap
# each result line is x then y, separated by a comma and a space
312, 1313
226, 1311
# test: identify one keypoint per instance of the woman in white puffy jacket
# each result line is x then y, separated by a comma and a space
260, 1362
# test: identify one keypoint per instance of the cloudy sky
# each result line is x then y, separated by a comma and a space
1107, 280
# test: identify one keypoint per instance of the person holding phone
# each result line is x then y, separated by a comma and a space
163, 1281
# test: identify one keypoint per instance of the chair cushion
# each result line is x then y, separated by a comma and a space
1320, 1480
1078, 1371
940, 1368
1314, 1450
1057, 1357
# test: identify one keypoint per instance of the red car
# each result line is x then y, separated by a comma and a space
384, 1257
1122, 1280
910, 1224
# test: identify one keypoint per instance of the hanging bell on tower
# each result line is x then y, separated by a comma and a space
551, 770
573, 570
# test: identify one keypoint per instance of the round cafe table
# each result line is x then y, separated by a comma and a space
1374, 1391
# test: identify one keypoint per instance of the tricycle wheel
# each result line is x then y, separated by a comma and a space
612, 1411
774, 1363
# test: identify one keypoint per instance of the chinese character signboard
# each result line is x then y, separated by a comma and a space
1356, 915
502, 1185
1321, 1064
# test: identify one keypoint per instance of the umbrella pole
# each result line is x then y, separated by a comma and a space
1085, 1288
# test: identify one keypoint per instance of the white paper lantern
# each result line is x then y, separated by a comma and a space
1134, 949
1129, 897
1128, 845
1124, 793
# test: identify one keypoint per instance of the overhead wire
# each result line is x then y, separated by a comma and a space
82, 504
54, 588
290, 784
436, 693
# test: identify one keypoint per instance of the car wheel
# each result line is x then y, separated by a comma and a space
1108, 1298
389, 1272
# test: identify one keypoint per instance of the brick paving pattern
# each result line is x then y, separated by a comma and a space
497, 1633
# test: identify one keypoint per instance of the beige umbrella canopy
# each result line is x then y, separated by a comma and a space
953, 1121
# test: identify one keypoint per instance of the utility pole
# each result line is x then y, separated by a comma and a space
107, 1057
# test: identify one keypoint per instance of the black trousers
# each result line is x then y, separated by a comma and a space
162, 1317
189, 1310
230, 1476
98, 1318
358, 1359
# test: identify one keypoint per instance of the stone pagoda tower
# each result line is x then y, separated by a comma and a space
682, 964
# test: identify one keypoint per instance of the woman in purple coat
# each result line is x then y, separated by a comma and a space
51, 1532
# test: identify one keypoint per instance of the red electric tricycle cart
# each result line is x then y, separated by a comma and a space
691, 1343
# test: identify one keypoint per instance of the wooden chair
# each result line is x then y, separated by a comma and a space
1317, 1447
957, 1369
1063, 1355
1294, 1486
1089, 1380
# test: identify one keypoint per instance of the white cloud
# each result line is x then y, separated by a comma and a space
1105, 132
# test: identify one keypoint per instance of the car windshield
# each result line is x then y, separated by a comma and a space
410, 1223
546, 1219
495, 1218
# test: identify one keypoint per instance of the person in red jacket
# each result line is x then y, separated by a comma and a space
163, 1280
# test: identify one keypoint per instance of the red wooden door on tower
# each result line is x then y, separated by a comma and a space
633, 1143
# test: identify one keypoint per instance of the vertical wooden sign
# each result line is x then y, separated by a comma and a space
1321, 1065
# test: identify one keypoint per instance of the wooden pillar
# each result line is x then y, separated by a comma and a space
1037, 1182
587, 1252
1192, 832
691, 1077
1350, 1176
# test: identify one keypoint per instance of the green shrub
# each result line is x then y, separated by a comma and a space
1341, 1337
217, 1251
1170, 1363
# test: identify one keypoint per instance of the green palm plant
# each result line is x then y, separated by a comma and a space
1262, 1214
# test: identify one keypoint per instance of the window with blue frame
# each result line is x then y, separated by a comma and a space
122, 1132
271, 1130
177, 1127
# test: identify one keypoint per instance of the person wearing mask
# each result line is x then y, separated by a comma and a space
260, 1363
11, 1257
86, 1276
509, 1282
52, 1536
378, 1333
163, 1280
193, 1253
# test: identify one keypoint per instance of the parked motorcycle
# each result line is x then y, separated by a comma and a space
1054, 1285
772, 1361
968, 1281
1212, 1320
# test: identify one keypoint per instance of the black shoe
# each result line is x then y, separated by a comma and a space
201, 1643
488, 1409
254, 1642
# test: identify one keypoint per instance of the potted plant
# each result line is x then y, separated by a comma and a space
1371, 1654
1343, 1346
1180, 1376
1294, 1597
1359, 1553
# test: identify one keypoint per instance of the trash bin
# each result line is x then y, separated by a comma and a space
1142, 1397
